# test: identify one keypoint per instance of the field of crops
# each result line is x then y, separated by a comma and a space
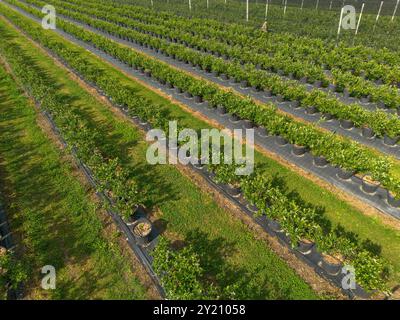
318, 215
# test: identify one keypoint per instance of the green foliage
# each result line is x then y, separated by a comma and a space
180, 271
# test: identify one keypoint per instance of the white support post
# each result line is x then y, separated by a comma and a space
190, 5
359, 18
284, 9
207, 4
395, 10
266, 9
302, 4
152, 4
316, 6
330, 6
340, 26
377, 16
247, 10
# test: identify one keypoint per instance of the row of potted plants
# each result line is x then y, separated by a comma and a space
111, 177
279, 62
303, 222
373, 64
348, 155
379, 121
256, 188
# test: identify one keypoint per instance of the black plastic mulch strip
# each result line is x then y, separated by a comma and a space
311, 256
333, 125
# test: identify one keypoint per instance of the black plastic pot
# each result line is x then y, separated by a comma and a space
332, 87
233, 191
346, 124
262, 132
381, 105
221, 110
320, 161
281, 141
234, 118
368, 133
244, 84
392, 200
344, 174
295, 104
390, 141
252, 208
247, 124
305, 247
141, 239
365, 99
169, 85
369, 187
318, 84
179, 90
279, 98
147, 73
267, 93
311, 110
298, 150
275, 226
224, 76
198, 99
327, 116
188, 95
330, 268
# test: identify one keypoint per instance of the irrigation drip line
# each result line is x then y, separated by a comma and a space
352, 184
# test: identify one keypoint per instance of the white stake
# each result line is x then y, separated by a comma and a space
395, 9
207, 4
359, 18
316, 6
330, 6
266, 10
340, 25
302, 3
190, 5
284, 9
377, 16
152, 4
247, 10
